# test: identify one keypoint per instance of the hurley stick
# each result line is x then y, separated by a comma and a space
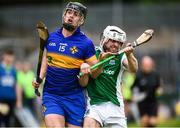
43, 35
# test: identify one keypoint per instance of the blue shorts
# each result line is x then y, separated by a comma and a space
72, 107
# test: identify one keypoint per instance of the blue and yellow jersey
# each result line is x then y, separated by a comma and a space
64, 57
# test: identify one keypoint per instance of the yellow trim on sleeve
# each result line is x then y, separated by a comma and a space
92, 58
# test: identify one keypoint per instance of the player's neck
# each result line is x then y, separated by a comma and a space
67, 33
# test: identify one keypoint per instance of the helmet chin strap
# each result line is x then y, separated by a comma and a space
69, 27
105, 48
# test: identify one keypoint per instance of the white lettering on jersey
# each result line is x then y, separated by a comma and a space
52, 44
109, 72
62, 47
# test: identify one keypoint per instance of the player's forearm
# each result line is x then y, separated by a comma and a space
43, 67
96, 72
83, 80
132, 63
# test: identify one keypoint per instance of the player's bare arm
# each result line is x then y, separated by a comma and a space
85, 70
43, 70
131, 62
44, 66
97, 71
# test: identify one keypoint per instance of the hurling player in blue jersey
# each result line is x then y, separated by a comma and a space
67, 48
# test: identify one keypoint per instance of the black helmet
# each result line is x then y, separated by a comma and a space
77, 6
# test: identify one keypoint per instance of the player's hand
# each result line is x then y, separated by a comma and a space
85, 69
104, 55
129, 49
35, 84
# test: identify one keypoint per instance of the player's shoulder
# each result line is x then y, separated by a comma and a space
52, 33
88, 40
84, 37
97, 48
56, 32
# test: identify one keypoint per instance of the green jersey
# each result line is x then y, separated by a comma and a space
107, 86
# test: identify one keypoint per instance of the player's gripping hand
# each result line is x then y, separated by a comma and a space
129, 49
85, 69
104, 55
35, 84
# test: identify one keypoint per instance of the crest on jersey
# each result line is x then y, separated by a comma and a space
49, 59
74, 49
112, 62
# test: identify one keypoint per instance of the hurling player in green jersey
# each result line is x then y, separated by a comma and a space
105, 101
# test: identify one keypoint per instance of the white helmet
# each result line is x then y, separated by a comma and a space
114, 33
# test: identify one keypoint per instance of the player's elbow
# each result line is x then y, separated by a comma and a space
95, 75
134, 68
83, 84
83, 81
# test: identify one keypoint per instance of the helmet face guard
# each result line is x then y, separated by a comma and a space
113, 33
77, 7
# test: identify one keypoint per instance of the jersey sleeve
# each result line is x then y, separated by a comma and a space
123, 58
49, 39
46, 43
90, 52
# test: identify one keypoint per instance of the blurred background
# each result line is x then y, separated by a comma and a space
18, 20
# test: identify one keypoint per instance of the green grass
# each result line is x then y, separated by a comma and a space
175, 122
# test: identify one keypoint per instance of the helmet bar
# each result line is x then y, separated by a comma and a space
78, 7
115, 36
113, 33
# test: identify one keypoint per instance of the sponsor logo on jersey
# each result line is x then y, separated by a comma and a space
112, 62
74, 49
109, 72
52, 44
